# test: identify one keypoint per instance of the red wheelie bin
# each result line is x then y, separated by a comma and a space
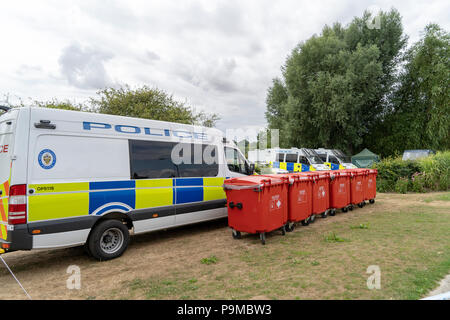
370, 186
299, 199
357, 181
321, 193
339, 191
256, 204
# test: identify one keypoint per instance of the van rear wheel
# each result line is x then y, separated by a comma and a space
108, 240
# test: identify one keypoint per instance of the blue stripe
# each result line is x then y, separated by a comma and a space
98, 199
102, 185
189, 182
290, 166
305, 167
189, 194
276, 165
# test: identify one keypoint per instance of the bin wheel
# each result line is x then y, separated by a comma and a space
360, 205
236, 234
344, 209
372, 201
324, 214
262, 237
305, 222
283, 230
289, 227
350, 207
312, 218
332, 212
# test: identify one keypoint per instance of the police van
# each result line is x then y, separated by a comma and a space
297, 160
72, 178
335, 159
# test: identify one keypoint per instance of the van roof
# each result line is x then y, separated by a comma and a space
83, 115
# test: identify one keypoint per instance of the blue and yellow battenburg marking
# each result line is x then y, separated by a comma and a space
292, 167
65, 200
334, 166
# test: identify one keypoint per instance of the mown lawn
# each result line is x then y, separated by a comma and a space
407, 236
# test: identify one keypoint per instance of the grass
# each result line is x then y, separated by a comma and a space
409, 243
209, 260
442, 197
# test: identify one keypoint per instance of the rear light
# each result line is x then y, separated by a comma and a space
17, 210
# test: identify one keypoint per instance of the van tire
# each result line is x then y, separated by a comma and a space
108, 240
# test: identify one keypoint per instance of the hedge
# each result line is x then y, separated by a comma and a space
427, 174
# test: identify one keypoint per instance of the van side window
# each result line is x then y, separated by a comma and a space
323, 157
151, 159
304, 160
235, 162
280, 157
291, 157
203, 164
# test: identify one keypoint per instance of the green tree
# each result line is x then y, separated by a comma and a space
55, 104
335, 86
148, 103
420, 117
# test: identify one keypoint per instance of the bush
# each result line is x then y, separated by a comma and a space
437, 171
384, 185
401, 186
427, 174
418, 182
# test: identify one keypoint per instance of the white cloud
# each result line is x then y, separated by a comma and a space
219, 56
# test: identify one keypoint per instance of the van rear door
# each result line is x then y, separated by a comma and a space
7, 129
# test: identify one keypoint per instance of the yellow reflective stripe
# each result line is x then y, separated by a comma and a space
213, 182
212, 189
55, 206
283, 165
311, 168
297, 167
328, 164
59, 187
4, 232
154, 183
155, 197
341, 167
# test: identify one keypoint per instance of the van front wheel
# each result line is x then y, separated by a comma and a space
108, 240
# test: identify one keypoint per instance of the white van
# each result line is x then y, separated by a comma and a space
335, 159
70, 178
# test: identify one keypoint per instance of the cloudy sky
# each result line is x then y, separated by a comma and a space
219, 56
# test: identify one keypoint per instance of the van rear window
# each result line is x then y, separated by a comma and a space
153, 160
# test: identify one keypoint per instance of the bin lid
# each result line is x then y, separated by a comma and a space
291, 177
317, 174
252, 182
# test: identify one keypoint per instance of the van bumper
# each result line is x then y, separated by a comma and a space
17, 239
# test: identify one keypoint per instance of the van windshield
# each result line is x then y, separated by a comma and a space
312, 156
341, 156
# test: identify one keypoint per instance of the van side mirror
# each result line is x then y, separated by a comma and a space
251, 169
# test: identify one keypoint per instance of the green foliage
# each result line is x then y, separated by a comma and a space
436, 169
334, 84
210, 260
333, 237
401, 186
360, 226
426, 174
148, 103
420, 113
65, 105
